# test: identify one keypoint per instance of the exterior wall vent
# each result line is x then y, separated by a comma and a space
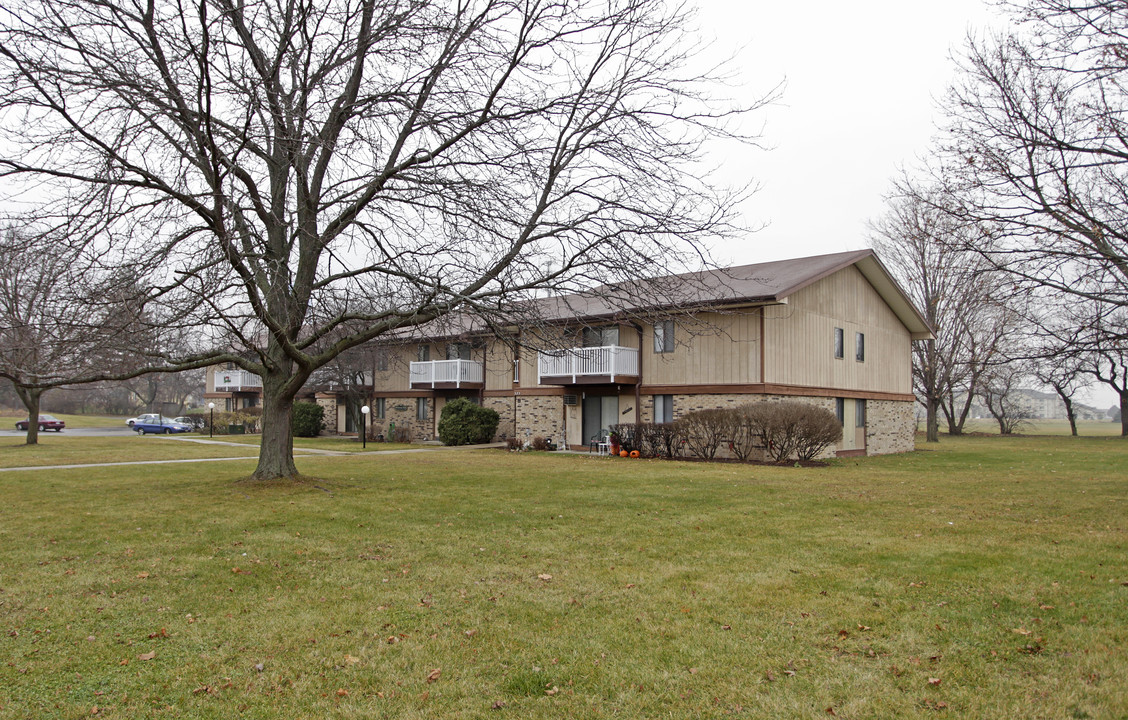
569, 399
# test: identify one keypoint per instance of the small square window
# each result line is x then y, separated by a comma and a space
860, 347
424, 353
839, 343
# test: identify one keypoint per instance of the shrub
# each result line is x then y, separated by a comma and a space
792, 429
466, 423
539, 443
705, 430
307, 419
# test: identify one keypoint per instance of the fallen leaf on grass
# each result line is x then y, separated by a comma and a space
498, 704
142, 575
1021, 631
147, 656
351, 659
544, 576
434, 675
933, 681
341, 692
160, 633
470, 633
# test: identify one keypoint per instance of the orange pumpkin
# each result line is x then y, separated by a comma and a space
634, 453
622, 453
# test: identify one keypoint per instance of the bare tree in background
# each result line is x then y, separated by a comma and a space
998, 388
53, 333
1033, 149
305, 177
962, 300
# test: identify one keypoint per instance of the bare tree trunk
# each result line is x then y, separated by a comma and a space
276, 453
30, 398
931, 422
1068, 402
1124, 413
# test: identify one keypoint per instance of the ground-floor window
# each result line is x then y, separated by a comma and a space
840, 410
421, 409
379, 408
860, 413
663, 408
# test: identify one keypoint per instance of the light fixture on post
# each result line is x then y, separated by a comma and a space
364, 426
211, 419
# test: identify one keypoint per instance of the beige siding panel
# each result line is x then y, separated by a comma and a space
711, 348
499, 365
800, 338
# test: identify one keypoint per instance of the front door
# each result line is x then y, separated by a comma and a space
853, 424
600, 413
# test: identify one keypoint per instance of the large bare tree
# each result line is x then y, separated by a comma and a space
960, 296
300, 178
1033, 150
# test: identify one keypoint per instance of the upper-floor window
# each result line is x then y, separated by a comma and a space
664, 336
458, 351
839, 343
381, 361
516, 366
601, 336
424, 353
860, 347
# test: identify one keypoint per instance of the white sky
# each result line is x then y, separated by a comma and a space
862, 81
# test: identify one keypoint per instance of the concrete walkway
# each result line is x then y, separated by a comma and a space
298, 452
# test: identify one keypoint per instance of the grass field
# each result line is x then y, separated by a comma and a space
1085, 428
982, 578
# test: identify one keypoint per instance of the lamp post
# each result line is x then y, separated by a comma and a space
364, 426
211, 419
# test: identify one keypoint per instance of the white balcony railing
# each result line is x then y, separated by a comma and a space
446, 372
609, 361
236, 381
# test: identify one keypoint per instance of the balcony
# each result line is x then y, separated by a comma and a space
237, 381
588, 366
446, 375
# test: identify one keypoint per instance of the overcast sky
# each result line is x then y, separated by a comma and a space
862, 80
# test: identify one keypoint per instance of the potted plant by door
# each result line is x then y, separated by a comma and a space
616, 442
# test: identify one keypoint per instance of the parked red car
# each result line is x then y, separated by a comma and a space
46, 422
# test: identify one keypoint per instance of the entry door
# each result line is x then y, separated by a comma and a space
600, 413
853, 424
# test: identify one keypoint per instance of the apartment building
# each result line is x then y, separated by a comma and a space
830, 330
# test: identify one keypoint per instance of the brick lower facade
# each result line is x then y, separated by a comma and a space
889, 424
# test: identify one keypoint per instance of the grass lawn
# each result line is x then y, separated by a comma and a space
982, 578
342, 444
1085, 428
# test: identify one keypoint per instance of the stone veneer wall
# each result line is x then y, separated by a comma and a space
541, 415
890, 426
404, 419
329, 405
504, 408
